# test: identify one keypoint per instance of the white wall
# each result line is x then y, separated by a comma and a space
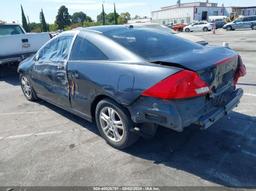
186, 14
172, 15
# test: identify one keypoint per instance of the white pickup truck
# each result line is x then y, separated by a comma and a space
16, 44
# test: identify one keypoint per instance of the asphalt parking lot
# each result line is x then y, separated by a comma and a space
42, 145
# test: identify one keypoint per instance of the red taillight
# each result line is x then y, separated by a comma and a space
240, 71
184, 84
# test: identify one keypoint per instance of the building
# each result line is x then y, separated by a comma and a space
196, 11
246, 11
187, 12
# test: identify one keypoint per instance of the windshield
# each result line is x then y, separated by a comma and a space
150, 43
10, 30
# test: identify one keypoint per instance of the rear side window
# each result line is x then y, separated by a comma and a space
10, 30
85, 50
150, 44
247, 19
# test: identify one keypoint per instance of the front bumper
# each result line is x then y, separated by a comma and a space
179, 114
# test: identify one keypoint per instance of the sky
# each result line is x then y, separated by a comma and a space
10, 9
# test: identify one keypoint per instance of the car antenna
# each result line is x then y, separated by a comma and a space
131, 26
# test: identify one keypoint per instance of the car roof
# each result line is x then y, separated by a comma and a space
107, 28
10, 24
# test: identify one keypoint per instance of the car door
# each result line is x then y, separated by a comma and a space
201, 25
247, 22
238, 24
49, 72
194, 27
83, 58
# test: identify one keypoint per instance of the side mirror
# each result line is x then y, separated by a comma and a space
36, 57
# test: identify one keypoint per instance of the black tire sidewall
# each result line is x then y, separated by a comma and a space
205, 29
187, 30
128, 137
33, 94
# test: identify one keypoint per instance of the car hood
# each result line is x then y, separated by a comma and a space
197, 59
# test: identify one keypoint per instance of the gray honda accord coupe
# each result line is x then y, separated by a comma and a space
131, 80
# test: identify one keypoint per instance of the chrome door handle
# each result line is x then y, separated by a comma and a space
60, 67
60, 75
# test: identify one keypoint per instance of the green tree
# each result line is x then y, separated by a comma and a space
79, 17
88, 19
102, 16
115, 15
24, 20
124, 17
110, 18
63, 18
53, 27
44, 26
35, 27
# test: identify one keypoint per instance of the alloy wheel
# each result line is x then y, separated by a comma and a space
111, 124
25, 85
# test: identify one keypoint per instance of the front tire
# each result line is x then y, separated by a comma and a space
187, 30
114, 124
27, 88
229, 28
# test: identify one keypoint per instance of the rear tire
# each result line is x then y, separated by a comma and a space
187, 30
114, 124
205, 29
27, 88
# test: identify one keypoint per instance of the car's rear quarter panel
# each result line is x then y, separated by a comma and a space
122, 81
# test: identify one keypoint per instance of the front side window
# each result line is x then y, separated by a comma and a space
85, 50
10, 30
57, 49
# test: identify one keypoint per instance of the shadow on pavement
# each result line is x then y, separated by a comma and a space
224, 154
8, 73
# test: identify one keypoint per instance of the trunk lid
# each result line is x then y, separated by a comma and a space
215, 65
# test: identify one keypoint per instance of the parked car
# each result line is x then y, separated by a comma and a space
124, 77
16, 44
218, 21
199, 26
169, 30
241, 23
179, 27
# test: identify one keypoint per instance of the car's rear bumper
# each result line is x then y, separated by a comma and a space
181, 113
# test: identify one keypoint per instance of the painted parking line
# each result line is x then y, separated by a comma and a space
48, 133
23, 113
31, 134
18, 136
249, 94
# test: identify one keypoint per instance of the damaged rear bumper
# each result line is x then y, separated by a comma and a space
179, 114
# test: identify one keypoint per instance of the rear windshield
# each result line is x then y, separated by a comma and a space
150, 44
10, 30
